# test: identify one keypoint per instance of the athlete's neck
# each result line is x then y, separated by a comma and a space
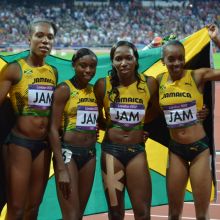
35, 61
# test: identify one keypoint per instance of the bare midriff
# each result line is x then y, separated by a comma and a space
187, 135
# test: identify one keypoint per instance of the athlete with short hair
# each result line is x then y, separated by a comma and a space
30, 83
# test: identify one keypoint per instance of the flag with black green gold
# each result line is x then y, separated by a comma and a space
197, 55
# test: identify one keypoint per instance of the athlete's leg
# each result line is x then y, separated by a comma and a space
3, 184
86, 178
177, 176
39, 177
70, 207
138, 183
201, 181
113, 174
18, 172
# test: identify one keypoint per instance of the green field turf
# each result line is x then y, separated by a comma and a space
217, 60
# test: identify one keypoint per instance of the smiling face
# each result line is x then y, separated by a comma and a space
41, 39
174, 59
85, 68
124, 62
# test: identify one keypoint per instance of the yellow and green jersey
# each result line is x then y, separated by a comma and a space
32, 94
180, 100
81, 110
129, 109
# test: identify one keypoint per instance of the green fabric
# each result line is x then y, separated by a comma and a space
65, 70
97, 204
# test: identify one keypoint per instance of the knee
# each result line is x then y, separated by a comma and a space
14, 211
32, 211
142, 215
115, 215
175, 212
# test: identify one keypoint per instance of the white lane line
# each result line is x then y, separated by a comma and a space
211, 204
164, 216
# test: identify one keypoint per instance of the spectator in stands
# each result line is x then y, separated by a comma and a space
98, 25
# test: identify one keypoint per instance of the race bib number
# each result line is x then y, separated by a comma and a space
40, 96
67, 155
180, 115
86, 117
127, 115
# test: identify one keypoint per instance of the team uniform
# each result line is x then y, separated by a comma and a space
127, 112
180, 101
80, 114
32, 96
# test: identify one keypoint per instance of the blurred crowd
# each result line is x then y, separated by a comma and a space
103, 25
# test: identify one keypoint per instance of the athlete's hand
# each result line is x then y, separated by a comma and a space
203, 113
213, 31
64, 183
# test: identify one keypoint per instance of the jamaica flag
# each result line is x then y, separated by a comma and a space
198, 52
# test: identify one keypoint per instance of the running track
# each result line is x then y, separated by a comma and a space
160, 213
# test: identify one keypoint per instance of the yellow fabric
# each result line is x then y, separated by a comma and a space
179, 91
128, 95
2, 64
42, 80
197, 41
83, 97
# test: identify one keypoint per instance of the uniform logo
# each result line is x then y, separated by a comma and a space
162, 87
176, 94
28, 71
74, 93
195, 148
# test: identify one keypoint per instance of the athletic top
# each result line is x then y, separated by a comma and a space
81, 110
128, 110
32, 94
180, 100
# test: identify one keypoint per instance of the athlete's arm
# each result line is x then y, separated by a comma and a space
99, 90
8, 76
153, 110
203, 75
60, 97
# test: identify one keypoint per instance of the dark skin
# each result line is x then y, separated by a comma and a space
124, 61
73, 185
26, 178
180, 170
135, 176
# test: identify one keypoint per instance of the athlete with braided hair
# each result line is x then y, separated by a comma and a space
125, 95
